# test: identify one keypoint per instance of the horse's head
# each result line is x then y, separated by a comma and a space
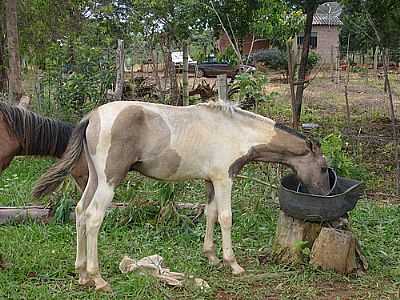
312, 170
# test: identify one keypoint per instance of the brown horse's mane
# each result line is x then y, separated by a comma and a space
37, 135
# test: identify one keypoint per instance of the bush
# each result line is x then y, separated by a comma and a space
228, 55
273, 58
277, 59
334, 149
313, 60
80, 83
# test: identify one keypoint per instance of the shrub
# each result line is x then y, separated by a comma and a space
313, 60
334, 149
277, 59
273, 58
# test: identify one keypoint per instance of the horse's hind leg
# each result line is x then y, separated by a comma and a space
223, 190
212, 214
81, 257
94, 218
95, 214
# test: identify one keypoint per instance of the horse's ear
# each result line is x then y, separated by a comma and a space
309, 144
314, 146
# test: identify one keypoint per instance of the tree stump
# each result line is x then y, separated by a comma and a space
331, 248
335, 250
292, 236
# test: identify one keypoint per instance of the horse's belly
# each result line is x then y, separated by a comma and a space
168, 166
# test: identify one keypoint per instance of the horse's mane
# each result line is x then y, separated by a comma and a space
233, 108
37, 135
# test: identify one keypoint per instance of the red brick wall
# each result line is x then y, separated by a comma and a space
259, 44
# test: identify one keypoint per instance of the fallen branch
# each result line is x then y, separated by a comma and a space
44, 214
257, 180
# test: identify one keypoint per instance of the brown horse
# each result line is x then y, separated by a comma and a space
210, 141
23, 132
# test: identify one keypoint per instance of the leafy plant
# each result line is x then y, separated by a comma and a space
313, 60
79, 81
229, 56
63, 210
333, 148
273, 58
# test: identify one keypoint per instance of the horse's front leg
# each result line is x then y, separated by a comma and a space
212, 214
223, 191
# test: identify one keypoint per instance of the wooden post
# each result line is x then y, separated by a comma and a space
185, 74
337, 67
222, 86
347, 81
291, 69
376, 61
332, 65
393, 118
116, 95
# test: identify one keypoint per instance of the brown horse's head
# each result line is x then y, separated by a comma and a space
312, 170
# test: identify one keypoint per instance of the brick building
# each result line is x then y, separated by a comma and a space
324, 35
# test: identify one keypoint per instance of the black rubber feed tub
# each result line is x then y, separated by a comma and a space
317, 208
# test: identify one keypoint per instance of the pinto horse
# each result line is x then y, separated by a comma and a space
23, 132
211, 141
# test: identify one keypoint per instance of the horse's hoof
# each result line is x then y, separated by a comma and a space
214, 261
85, 281
106, 288
237, 270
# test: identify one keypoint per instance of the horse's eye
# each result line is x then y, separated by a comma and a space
324, 169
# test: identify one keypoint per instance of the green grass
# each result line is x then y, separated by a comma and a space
17, 180
41, 259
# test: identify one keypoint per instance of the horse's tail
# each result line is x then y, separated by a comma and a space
49, 181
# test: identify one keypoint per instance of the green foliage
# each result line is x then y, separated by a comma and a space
334, 149
251, 86
312, 60
278, 21
63, 210
229, 56
277, 59
273, 58
374, 21
79, 81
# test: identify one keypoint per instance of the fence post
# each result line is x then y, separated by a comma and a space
116, 95
222, 87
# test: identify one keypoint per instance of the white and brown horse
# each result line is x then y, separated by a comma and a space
206, 141
23, 132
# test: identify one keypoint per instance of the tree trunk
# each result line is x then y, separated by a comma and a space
3, 61
346, 85
376, 61
185, 76
119, 85
303, 67
291, 69
393, 118
172, 75
14, 62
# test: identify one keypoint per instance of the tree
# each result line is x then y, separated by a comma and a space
14, 61
309, 7
3, 60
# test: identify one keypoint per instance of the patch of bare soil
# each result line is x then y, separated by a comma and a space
222, 295
335, 290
